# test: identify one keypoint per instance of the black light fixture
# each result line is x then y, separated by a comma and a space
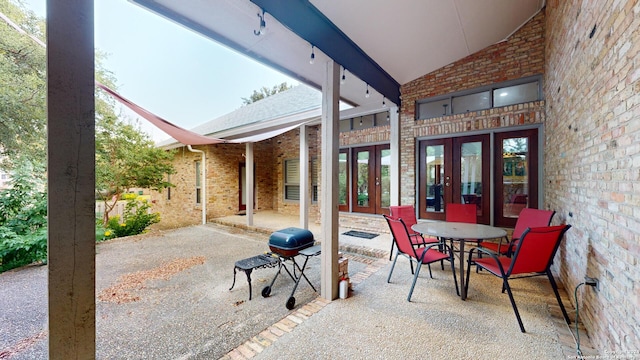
262, 29
445, 109
367, 93
313, 56
343, 78
388, 116
384, 103
360, 120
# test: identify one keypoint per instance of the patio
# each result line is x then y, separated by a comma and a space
376, 321
190, 314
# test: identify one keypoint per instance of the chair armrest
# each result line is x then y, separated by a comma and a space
490, 253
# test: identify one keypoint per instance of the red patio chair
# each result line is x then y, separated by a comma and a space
532, 257
408, 214
465, 213
420, 255
528, 218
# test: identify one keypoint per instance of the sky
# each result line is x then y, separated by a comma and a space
169, 70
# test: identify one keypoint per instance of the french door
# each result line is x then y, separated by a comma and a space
454, 170
458, 170
370, 180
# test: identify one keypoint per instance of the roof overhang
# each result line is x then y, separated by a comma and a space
382, 44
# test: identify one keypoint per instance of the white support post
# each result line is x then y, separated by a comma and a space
71, 179
329, 205
305, 198
394, 145
249, 182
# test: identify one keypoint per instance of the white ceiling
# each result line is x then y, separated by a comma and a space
406, 38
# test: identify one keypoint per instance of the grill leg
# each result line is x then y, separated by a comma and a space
234, 279
248, 272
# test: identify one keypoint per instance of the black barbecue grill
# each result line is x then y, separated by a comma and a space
287, 244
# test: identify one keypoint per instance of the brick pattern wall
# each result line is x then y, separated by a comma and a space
222, 192
519, 56
378, 134
592, 179
181, 210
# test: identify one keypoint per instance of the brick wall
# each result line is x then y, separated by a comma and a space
222, 192
592, 88
181, 210
519, 56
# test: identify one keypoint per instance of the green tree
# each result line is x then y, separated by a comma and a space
127, 158
23, 90
265, 92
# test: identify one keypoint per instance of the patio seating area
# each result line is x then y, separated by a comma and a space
189, 313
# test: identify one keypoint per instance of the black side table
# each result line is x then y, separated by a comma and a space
255, 262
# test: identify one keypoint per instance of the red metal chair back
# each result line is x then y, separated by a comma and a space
530, 218
465, 213
536, 249
405, 212
401, 236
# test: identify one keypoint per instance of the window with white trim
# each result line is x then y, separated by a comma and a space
292, 179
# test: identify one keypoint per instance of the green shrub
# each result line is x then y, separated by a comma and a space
19, 250
23, 220
135, 221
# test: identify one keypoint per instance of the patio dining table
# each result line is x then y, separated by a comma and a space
460, 232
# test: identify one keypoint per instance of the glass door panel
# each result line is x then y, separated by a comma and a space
435, 178
471, 172
515, 182
362, 178
435, 174
362, 184
516, 174
384, 182
343, 180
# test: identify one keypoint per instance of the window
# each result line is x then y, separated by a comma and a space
198, 183
345, 125
516, 94
364, 121
473, 102
292, 179
497, 95
314, 179
433, 109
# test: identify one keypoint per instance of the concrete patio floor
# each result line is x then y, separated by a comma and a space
184, 309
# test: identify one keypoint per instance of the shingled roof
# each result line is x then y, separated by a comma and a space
279, 111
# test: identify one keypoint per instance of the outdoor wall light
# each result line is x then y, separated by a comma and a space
343, 78
313, 56
262, 29
384, 103
367, 93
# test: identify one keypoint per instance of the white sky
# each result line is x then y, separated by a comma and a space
169, 70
